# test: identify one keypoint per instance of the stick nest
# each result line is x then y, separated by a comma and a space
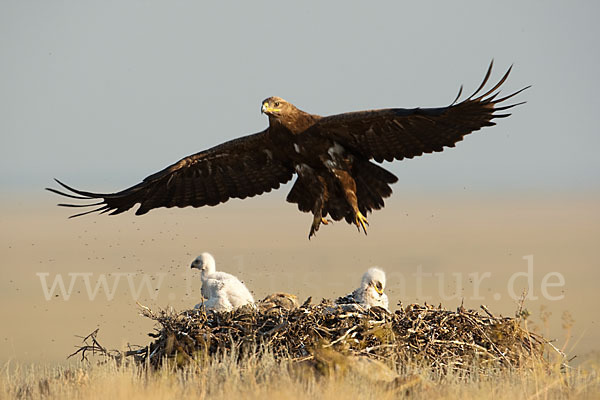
434, 336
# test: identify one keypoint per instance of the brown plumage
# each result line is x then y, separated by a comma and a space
331, 156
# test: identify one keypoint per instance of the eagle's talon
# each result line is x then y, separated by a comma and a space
361, 221
326, 221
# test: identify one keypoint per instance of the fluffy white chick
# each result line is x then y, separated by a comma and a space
222, 291
370, 293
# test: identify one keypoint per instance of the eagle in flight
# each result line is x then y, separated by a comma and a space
331, 156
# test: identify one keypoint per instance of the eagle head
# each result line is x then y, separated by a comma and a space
276, 107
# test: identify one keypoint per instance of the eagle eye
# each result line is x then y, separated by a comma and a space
276, 104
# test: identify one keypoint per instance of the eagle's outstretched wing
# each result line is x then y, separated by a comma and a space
239, 168
398, 133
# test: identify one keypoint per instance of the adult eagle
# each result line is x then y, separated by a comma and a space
331, 156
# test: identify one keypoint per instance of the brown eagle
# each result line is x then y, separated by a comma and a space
330, 155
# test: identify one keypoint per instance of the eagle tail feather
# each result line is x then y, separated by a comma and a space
372, 185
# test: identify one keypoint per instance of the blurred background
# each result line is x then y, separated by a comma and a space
101, 95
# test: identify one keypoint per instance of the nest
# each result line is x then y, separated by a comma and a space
433, 336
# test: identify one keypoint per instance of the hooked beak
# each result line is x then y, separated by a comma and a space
266, 109
379, 291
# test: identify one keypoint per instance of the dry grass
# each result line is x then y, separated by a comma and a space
264, 376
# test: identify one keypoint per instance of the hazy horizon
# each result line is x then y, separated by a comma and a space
465, 247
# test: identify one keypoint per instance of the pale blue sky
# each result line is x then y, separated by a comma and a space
102, 94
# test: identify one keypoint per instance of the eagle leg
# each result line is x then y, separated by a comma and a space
317, 221
318, 218
348, 185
